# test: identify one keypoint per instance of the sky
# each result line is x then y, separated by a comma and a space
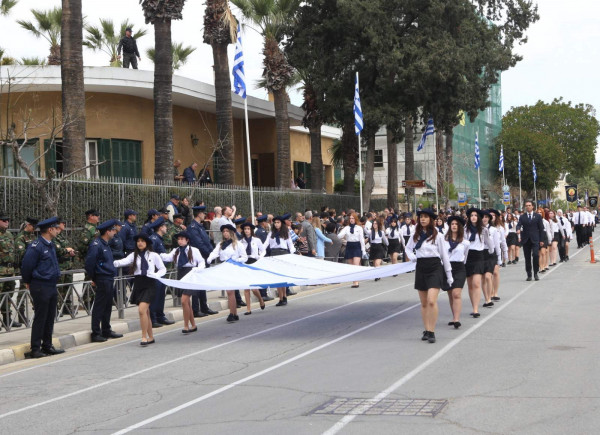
561, 57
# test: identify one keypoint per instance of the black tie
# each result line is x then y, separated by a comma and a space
143, 263
182, 260
248, 245
421, 240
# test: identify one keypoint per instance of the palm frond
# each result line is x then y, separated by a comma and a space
6, 6
93, 38
32, 61
28, 25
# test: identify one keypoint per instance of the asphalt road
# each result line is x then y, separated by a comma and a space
528, 365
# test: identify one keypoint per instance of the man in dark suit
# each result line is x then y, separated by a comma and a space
530, 229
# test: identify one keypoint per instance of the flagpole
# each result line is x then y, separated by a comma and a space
503, 183
520, 195
249, 162
535, 193
479, 184
437, 204
360, 182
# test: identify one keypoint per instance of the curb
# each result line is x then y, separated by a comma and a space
17, 352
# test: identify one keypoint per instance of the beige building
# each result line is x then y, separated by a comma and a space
120, 131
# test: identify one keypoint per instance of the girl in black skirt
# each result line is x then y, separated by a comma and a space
427, 249
491, 259
355, 242
458, 249
478, 238
378, 240
146, 266
394, 244
186, 258
512, 240
255, 250
279, 242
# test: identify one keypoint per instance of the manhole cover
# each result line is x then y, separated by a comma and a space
403, 407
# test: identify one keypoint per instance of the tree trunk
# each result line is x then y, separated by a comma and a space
350, 150
282, 126
392, 179
224, 113
163, 101
73, 93
316, 159
409, 159
449, 156
369, 169
55, 50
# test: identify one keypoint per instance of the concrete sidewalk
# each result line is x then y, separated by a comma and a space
15, 345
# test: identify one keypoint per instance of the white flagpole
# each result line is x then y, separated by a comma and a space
503, 184
360, 182
535, 193
249, 162
479, 184
437, 204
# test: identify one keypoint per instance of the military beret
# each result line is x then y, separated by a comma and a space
157, 223
32, 221
262, 218
239, 221
177, 216
92, 212
48, 223
108, 225
199, 208
129, 212
152, 212
227, 227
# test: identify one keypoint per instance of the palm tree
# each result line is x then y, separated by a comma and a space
6, 6
104, 39
47, 26
180, 54
73, 91
160, 13
271, 17
32, 61
220, 30
313, 121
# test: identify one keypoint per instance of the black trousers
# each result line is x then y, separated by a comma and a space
157, 307
44, 305
579, 231
102, 309
129, 58
531, 251
199, 301
562, 252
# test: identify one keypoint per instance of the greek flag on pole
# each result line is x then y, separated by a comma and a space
501, 164
428, 132
476, 151
534, 172
358, 116
519, 163
239, 78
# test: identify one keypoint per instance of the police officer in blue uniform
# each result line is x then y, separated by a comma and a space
116, 243
99, 267
40, 273
153, 215
157, 307
199, 239
129, 231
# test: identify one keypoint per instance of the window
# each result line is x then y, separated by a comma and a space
54, 155
123, 158
304, 168
217, 164
378, 158
91, 157
29, 153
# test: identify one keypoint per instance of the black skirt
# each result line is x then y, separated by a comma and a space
251, 260
429, 274
278, 251
377, 251
475, 263
544, 239
353, 250
491, 262
556, 237
144, 290
459, 276
512, 239
395, 246
180, 274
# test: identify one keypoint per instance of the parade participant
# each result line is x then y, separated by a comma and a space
40, 273
378, 240
546, 237
186, 257
530, 229
355, 243
153, 214
129, 231
262, 232
500, 239
65, 255
491, 259
157, 307
255, 250
407, 229
321, 239
394, 244
566, 235
440, 225
479, 243
229, 248
427, 249
146, 266
555, 231
101, 271
279, 242
457, 248
511, 238
88, 233
7, 259
580, 221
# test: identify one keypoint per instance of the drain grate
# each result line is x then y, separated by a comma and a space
402, 407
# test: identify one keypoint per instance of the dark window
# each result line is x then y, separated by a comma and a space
123, 158
378, 158
29, 153
305, 169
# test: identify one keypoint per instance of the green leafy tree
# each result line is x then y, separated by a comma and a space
46, 25
104, 38
587, 184
180, 54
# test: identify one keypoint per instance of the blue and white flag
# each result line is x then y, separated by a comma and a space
534, 172
239, 78
428, 132
477, 162
358, 115
519, 163
501, 163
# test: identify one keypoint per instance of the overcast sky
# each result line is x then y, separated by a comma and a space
561, 57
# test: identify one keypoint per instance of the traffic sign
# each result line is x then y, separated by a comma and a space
413, 183
506, 199
505, 188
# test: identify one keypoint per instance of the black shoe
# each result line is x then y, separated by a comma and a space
516, 259
241, 304
156, 325
475, 315
431, 337
290, 293
200, 314
231, 318
536, 277
267, 298
542, 271
377, 279
495, 298
112, 334
247, 313
503, 264
567, 258
166, 321
457, 325
450, 323
425, 336
189, 331
528, 278
53, 351
281, 303
210, 312
488, 305
561, 260
37, 354
98, 339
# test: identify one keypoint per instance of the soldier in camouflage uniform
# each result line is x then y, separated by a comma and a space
22, 241
66, 261
171, 230
7, 257
87, 235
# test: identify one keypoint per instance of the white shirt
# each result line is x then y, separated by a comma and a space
257, 249
565, 226
368, 225
236, 254
197, 259
397, 234
481, 242
553, 226
495, 238
503, 245
377, 239
156, 267
458, 254
431, 249
286, 244
358, 236
548, 230
579, 218
508, 225
408, 230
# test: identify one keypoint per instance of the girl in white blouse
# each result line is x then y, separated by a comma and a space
377, 240
480, 243
394, 244
553, 242
458, 249
512, 240
498, 223
229, 249
407, 229
546, 239
427, 249
255, 250
146, 267
354, 235
279, 242
185, 257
